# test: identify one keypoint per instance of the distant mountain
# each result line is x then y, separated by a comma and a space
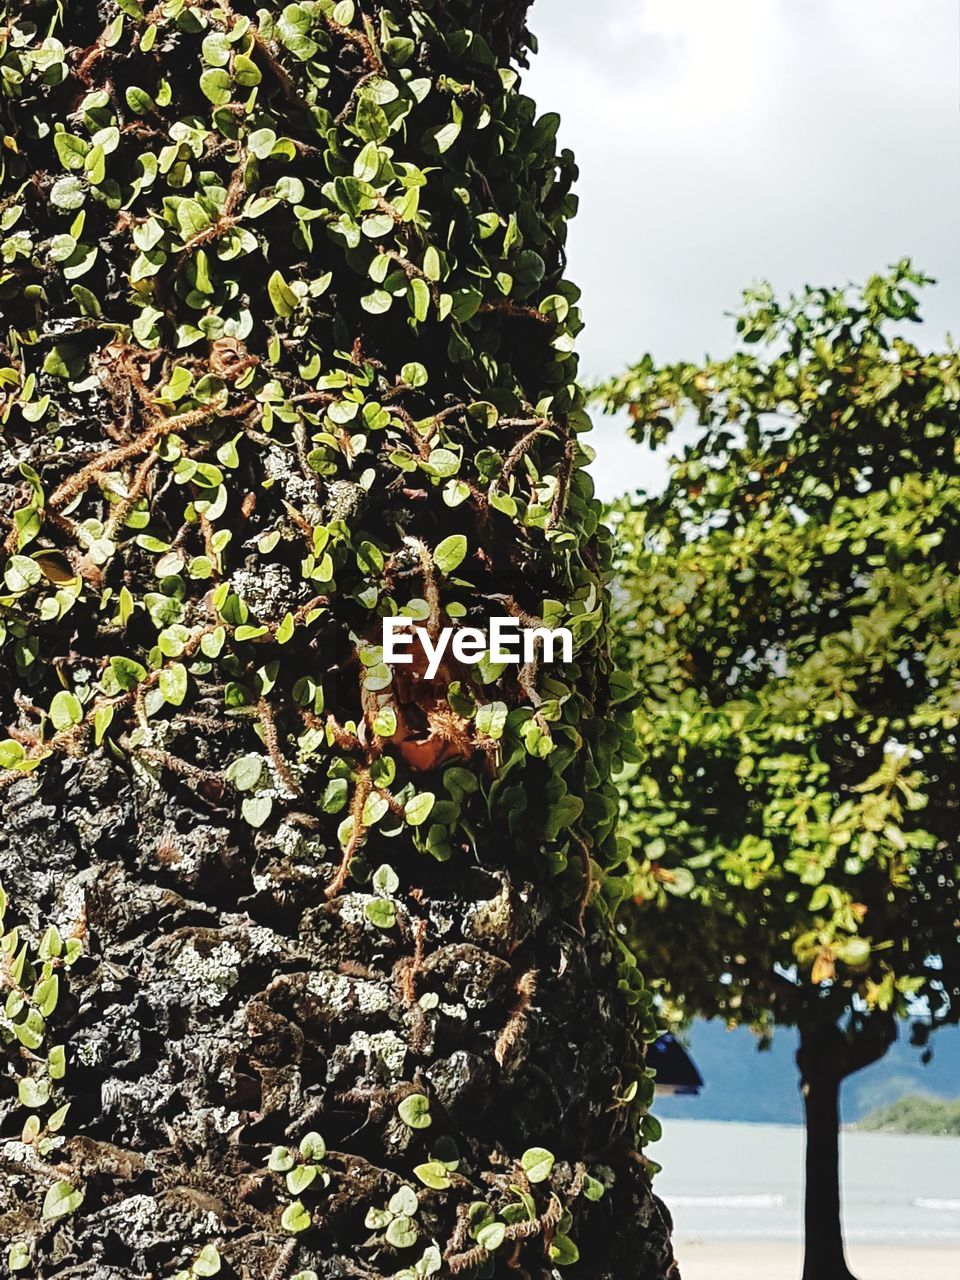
745, 1085
915, 1115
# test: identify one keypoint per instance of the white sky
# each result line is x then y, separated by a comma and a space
723, 141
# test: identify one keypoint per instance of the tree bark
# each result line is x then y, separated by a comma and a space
336, 997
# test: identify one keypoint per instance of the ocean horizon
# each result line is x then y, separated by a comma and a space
729, 1182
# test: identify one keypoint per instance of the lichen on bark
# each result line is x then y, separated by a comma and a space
287, 348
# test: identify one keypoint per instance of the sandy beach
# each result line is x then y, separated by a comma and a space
750, 1261
736, 1196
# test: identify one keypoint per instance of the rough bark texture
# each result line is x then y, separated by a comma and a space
224, 1007
287, 347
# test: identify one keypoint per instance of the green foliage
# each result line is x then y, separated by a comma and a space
289, 350
940, 1116
30, 978
302, 1170
229, 304
791, 612
30, 981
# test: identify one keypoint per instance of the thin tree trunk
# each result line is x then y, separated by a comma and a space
827, 1055
824, 1255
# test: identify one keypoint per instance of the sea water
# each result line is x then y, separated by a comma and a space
731, 1182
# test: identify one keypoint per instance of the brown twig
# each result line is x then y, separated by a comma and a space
272, 742
360, 798
77, 484
526, 987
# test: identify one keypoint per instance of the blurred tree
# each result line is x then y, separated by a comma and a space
789, 607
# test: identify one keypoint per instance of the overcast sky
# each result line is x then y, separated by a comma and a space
723, 141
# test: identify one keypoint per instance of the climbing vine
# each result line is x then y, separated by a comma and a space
266, 437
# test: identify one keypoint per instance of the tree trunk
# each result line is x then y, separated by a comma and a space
827, 1055
287, 348
824, 1256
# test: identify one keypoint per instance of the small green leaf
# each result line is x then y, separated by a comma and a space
377, 1219
262, 142
419, 298
404, 1203
256, 810
537, 1163
246, 71
18, 1257
385, 881
285, 301
295, 1218
66, 710
418, 808
381, 912
192, 218
248, 632
11, 754
33, 1093
138, 100
434, 1175
415, 1111
46, 994
72, 151
491, 1236
402, 1233
593, 1189
68, 193
377, 303
127, 672
450, 553
300, 1178
173, 682
564, 1252
281, 1160
55, 1123
445, 137
385, 723
21, 573
61, 1199
215, 85
102, 719
208, 1262
246, 772
313, 1147
335, 795
491, 719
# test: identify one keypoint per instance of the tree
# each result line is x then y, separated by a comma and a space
305, 976
789, 608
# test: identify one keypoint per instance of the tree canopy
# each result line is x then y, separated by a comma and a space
789, 608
